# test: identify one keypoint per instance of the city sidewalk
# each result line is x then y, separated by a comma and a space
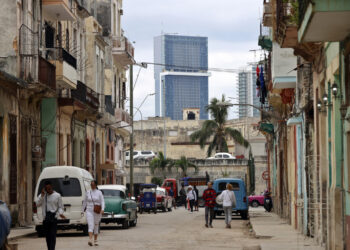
278, 234
20, 232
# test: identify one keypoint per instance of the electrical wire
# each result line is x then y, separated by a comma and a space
197, 68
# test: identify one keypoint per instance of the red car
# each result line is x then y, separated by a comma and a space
256, 200
164, 200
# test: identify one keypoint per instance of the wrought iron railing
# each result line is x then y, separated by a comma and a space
86, 95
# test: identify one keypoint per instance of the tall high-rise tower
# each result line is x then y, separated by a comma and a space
247, 93
181, 81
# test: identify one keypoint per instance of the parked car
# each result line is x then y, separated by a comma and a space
222, 156
256, 200
164, 201
148, 201
239, 188
118, 207
72, 183
144, 154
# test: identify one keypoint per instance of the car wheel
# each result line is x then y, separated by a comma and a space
254, 204
244, 215
125, 224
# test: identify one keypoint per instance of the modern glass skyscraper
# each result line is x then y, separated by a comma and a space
183, 74
247, 93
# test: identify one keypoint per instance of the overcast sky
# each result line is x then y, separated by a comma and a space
232, 28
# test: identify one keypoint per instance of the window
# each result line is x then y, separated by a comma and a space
222, 186
107, 152
13, 159
225, 156
113, 193
191, 116
67, 40
66, 188
146, 152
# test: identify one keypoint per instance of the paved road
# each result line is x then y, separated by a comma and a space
178, 229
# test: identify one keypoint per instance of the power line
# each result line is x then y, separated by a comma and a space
199, 68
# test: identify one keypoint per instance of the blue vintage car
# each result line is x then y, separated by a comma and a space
148, 198
5, 223
239, 188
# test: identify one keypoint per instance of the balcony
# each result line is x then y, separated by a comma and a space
47, 73
58, 9
86, 95
66, 68
287, 18
267, 16
323, 20
283, 64
123, 51
124, 120
83, 8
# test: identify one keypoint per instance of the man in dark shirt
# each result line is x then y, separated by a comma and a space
209, 196
196, 202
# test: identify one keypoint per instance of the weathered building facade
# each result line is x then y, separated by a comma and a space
308, 145
63, 91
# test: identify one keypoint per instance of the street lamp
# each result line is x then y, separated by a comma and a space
145, 99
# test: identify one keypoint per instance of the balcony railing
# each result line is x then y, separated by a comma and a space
109, 105
122, 115
47, 73
267, 16
123, 50
85, 95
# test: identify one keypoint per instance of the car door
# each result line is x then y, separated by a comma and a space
238, 193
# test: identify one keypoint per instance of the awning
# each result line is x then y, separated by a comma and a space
267, 127
294, 121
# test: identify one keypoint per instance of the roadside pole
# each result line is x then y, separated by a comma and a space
132, 132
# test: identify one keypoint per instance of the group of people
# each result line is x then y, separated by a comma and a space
52, 207
93, 207
190, 199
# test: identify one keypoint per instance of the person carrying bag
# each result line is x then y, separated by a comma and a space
228, 201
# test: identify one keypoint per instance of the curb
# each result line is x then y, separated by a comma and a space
20, 236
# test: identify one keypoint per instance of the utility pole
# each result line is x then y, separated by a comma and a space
164, 116
132, 131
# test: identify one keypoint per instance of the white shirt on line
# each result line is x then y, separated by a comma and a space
53, 202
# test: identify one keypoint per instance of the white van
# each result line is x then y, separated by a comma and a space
72, 183
145, 154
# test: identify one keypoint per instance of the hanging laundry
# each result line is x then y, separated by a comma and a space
263, 87
257, 71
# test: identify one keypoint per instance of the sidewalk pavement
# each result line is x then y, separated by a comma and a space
20, 232
278, 234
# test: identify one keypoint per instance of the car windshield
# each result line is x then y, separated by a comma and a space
113, 193
146, 152
65, 187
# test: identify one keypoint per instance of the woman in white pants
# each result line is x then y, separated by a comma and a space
229, 199
93, 198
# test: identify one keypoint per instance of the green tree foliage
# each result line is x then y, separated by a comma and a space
184, 165
215, 132
161, 163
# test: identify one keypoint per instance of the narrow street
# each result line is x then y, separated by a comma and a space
178, 229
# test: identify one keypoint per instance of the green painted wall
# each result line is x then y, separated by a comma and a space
338, 138
331, 5
48, 130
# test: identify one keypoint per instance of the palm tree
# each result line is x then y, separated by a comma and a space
184, 164
161, 163
217, 130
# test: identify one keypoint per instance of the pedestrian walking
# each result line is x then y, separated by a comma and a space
93, 206
51, 203
171, 194
183, 195
228, 201
191, 197
197, 199
209, 196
